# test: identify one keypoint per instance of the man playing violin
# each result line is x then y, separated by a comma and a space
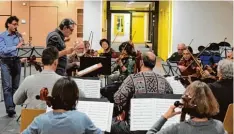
175, 57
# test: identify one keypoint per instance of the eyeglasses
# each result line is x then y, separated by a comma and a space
180, 49
15, 24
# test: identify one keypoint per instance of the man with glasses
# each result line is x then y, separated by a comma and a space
57, 39
175, 57
10, 41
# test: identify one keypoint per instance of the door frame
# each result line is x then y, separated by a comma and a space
122, 12
154, 21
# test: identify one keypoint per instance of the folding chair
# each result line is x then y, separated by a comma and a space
228, 120
27, 116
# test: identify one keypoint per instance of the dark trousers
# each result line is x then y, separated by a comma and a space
10, 73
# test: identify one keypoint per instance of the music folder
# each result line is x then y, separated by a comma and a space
146, 109
98, 110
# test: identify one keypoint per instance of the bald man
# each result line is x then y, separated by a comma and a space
175, 57
146, 81
74, 58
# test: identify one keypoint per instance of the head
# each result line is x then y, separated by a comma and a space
104, 43
148, 60
202, 103
67, 27
80, 48
12, 23
86, 44
225, 69
187, 53
50, 57
126, 47
180, 48
65, 94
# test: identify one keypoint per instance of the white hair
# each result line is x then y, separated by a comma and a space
225, 68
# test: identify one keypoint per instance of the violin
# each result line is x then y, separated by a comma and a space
44, 92
32, 60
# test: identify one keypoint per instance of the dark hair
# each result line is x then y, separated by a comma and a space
49, 55
128, 47
10, 20
66, 23
104, 40
150, 63
65, 94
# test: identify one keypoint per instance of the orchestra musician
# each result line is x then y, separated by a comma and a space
74, 58
106, 49
10, 41
175, 57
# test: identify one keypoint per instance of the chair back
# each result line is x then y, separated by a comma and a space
28, 115
228, 120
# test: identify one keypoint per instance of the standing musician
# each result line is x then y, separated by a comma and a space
10, 41
56, 38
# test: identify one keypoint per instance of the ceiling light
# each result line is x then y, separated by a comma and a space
129, 3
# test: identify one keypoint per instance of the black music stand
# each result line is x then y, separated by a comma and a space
86, 62
28, 52
223, 50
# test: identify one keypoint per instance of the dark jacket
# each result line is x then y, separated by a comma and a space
223, 91
56, 39
175, 57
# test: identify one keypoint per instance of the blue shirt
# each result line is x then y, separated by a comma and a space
70, 122
8, 43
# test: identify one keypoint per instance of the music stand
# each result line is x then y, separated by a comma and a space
223, 50
28, 52
174, 68
167, 69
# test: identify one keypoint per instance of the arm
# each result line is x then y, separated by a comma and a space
34, 127
53, 41
90, 127
156, 128
5, 50
20, 95
125, 92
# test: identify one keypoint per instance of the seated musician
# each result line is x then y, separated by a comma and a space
106, 49
200, 104
31, 85
63, 119
146, 81
223, 88
74, 58
125, 62
175, 57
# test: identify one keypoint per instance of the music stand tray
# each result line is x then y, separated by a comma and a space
223, 50
27, 52
174, 68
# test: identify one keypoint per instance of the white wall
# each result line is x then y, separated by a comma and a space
92, 21
203, 21
121, 38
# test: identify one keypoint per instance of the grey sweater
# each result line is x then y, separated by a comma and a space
31, 86
188, 127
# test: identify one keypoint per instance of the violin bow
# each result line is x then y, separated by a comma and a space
114, 38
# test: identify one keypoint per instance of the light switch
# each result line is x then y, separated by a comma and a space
23, 21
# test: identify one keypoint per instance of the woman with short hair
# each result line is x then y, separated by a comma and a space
198, 102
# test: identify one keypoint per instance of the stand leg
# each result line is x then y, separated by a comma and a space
30, 70
25, 69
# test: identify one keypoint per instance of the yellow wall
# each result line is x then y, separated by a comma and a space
164, 29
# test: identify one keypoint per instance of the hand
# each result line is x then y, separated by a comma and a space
20, 44
23, 59
120, 63
182, 68
76, 64
121, 117
171, 112
67, 39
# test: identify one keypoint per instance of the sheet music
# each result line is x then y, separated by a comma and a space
145, 112
142, 114
100, 113
176, 85
91, 88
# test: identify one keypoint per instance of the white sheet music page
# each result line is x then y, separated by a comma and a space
92, 88
162, 107
80, 83
176, 85
142, 114
100, 113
